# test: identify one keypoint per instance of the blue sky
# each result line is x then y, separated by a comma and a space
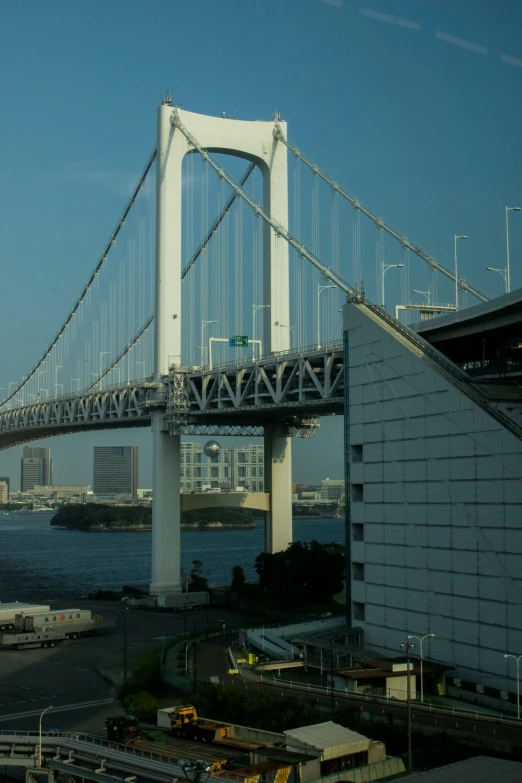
414, 107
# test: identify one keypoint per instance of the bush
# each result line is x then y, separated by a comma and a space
143, 705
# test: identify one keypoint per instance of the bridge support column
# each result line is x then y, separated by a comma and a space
278, 481
166, 510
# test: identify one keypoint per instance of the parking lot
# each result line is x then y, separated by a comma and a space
77, 677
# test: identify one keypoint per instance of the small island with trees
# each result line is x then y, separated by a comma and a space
100, 518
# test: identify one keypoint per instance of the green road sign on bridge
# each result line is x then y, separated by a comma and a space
239, 341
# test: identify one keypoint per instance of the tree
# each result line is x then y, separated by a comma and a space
197, 581
302, 574
238, 580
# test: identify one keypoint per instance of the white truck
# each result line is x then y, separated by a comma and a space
177, 602
33, 631
8, 613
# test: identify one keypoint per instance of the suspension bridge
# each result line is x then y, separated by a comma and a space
216, 308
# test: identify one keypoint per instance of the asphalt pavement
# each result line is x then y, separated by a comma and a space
79, 677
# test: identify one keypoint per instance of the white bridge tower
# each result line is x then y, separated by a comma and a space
258, 143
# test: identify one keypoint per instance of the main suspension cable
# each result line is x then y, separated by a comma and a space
432, 263
91, 279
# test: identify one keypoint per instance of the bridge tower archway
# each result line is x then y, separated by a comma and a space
257, 142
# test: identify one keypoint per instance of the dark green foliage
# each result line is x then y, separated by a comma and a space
97, 516
227, 516
143, 705
302, 574
238, 580
197, 581
255, 708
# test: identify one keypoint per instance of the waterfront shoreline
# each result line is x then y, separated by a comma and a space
148, 528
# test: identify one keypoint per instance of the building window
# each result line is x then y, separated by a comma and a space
358, 572
358, 611
357, 493
357, 452
357, 531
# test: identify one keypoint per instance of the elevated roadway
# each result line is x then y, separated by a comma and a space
290, 387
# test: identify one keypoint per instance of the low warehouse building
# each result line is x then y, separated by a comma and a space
337, 749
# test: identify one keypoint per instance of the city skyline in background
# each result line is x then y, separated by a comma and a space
238, 462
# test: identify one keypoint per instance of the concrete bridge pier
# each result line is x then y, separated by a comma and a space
166, 510
278, 482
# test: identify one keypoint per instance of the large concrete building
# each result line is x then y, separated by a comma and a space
116, 471
433, 449
7, 481
36, 468
215, 468
4, 492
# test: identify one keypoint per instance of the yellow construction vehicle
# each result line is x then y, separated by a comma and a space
185, 723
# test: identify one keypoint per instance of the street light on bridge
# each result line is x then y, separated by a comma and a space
203, 325
320, 289
102, 354
255, 308
502, 272
455, 237
427, 294
384, 269
508, 273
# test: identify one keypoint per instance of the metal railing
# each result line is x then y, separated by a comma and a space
365, 697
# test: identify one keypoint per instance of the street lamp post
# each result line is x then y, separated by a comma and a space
384, 269
255, 308
118, 370
407, 647
203, 324
142, 364
125, 643
102, 354
420, 640
517, 659
455, 237
40, 759
502, 272
56, 384
77, 381
508, 273
427, 294
320, 289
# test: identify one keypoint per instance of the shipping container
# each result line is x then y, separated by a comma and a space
51, 619
8, 612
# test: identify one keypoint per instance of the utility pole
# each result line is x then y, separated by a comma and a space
407, 647
125, 640
332, 673
194, 658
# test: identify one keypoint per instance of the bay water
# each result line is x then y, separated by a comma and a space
39, 562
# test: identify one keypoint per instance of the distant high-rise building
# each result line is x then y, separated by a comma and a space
4, 492
190, 475
249, 467
214, 467
116, 470
36, 468
332, 489
6, 479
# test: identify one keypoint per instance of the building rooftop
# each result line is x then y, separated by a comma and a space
327, 736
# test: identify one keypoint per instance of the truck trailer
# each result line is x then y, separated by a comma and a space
8, 613
55, 619
48, 635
